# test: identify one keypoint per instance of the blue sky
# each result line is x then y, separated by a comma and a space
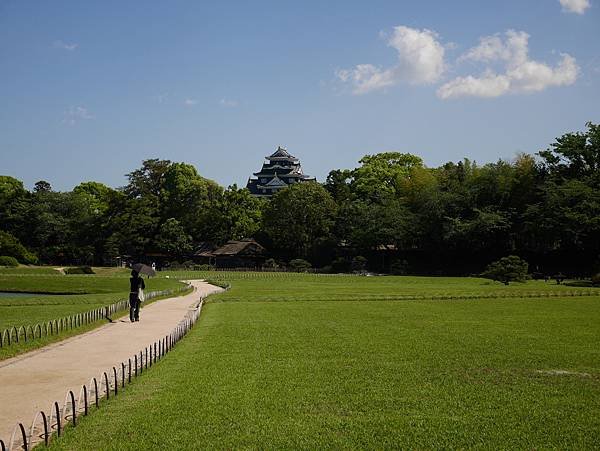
90, 89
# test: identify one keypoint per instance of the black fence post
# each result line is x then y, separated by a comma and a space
74, 413
24, 435
116, 380
96, 392
57, 411
46, 431
85, 401
106, 385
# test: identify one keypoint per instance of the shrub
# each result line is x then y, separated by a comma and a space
399, 268
300, 265
79, 270
204, 267
6, 260
339, 265
359, 263
12, 247
507, 269
596, 279
271, 263
560, 277
325, 270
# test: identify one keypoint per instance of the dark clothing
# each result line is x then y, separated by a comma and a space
135, 284
134, 307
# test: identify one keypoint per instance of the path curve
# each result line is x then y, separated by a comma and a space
33, 381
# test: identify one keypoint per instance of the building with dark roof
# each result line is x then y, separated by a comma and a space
281, 171
245, 253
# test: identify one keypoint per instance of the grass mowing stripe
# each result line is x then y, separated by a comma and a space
510, 373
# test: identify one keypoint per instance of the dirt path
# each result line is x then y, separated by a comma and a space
32, 382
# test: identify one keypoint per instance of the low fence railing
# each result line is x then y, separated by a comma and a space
22, 334
109, 383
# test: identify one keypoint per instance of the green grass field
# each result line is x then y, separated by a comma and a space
77, 294
302, 361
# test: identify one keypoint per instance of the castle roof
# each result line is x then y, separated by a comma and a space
282, 169
276, 181
281, 154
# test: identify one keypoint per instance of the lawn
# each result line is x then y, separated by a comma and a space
325, 369
72, 294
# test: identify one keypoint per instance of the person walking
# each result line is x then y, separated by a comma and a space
136, 283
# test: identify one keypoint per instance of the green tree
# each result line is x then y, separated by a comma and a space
339, 185
173, 240
484, 230
14, 203
184, 191
359, 263
6, 260
300, 265
575, 155
382, 174
191, 199
147, 180
96, 195
239, 214
564, 221
366, 225
299, 218
12, 247
507, 269
132, 223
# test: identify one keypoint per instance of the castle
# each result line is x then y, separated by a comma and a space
281, 171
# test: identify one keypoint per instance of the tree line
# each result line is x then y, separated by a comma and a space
391, 213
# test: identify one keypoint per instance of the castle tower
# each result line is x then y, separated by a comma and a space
281, 171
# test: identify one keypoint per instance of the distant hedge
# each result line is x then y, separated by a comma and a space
79, 270
11, 246
5, 260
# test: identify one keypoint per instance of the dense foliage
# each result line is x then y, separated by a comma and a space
6, 260
392, 211
507, 269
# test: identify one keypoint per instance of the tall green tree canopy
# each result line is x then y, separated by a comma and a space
298, 217
575, 154
382, 174
147, 180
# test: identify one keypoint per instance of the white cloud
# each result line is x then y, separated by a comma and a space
420, 61
75, 114
65, 46
190, 102
227, 103
366, 78
521, 74
575, 6
488, 85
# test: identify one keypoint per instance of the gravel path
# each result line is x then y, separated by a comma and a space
32, 382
